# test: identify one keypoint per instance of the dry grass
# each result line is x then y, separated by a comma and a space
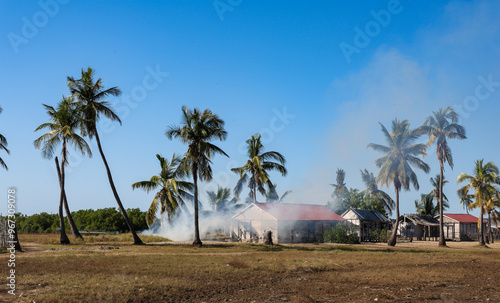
119, 272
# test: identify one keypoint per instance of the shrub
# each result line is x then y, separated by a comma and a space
379, 235
342, 233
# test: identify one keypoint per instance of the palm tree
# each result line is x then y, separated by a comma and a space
3, 145
491, 204
442, 125
425, 206
196, 130
219, 200
436, 183
273, 197
396, 165
172, 189
90, 95
372, 191
340, 186
255, 170
467, 201
482, 182
62, 129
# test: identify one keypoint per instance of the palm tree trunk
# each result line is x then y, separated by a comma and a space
392, 239
137, 240
72, 224
490, 234
64, 238
481, 232
197, 240
442, 241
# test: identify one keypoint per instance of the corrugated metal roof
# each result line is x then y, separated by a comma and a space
463, 218
298, 212
422, 219
367, 215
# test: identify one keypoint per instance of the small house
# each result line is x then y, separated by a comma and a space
289, 223
368, 221
461, 227
418, 226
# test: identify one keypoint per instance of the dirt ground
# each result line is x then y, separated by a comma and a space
227, 272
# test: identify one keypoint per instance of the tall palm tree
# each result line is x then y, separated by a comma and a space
172, 189
372, 190
396, 166
435, 192
90, 95
440, 126
255, 170
219, 199
482, 182
467, 201
196, 130
425, 206
490, 207
3, 145
62, 129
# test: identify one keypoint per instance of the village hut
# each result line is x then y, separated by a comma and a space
368, 221
288, 223
421, 227
462, 227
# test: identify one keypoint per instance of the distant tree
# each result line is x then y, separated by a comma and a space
255, 171
373, 191
219, 200
173, 190
482, 182
425, 206
340, 186
62, 129
90, 95
443, 125
491, 208
400, 155
3, 145
197, 130
435, 192
273, 196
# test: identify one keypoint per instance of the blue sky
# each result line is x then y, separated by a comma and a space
278, 68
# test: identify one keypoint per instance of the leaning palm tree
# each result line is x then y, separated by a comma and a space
372, 190
440, 126
425, 206
196, 130
255, 171
90, 95
3, 145
396, 166
173, 190
482, 183
62, 129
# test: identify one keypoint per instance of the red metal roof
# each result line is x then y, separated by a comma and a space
297, 212
464, 218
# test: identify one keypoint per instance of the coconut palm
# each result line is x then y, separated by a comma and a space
255, 171
490, 207
172, 189
219, 199
196, 130
3, 145
482, 183
396, 166
372, 190
273, 197
436, 183
440, 126
62, 129
467, 201
425, 206
90, 95
340, 186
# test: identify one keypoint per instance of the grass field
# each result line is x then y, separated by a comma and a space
109, 269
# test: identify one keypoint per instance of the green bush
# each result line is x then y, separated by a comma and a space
379, 235
342, 233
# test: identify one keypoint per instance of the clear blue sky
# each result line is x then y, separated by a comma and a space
314, 77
